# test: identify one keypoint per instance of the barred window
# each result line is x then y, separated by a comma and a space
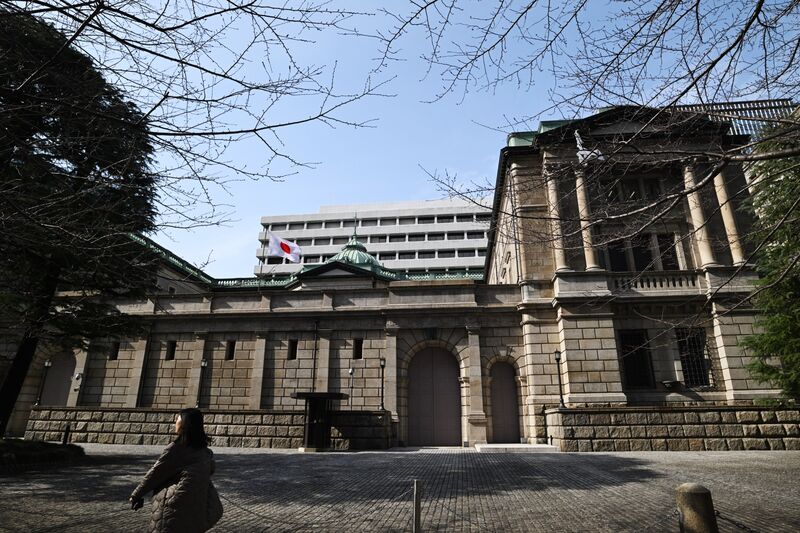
634, 351
695, 364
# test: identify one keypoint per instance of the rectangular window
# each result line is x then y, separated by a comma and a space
446, 254
476, 235
667, 248
443, 219
277, 227
113, 351
466, 253
368, 222
170, 353
483, 217
416, 237
358, 348
397, 238
307, 242
387, 256
617, 257
291, 355
426, 255
425, 220
634, 350
339, 240
465, 218
297, 225
388, 222
642, 252
435, 236
311, 259
377, 238
405, 221
348, 223
694, 362
313, 225
482, 252
333, 223
455, 236
230, 350
407, 255
274, 260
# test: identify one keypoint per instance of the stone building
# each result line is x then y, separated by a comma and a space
574, 337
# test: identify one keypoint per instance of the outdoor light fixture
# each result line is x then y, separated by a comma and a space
204, 363
382, 361
557, 356
48, 363
350, 397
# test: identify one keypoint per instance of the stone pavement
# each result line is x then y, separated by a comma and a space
269, 490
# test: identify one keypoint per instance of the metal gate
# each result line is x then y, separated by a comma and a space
434, 399
505, 407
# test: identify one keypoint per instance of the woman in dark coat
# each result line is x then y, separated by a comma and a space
180, 480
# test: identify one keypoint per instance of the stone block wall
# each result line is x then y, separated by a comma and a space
712, 428
166, 382
107, 380
361, 430
226, 383
366, 391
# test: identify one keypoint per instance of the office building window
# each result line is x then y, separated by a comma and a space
406, 255
435, 236
425, 220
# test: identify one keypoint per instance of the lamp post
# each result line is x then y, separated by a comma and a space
350, 397
557, 356
47, 365
203, 365
383, 367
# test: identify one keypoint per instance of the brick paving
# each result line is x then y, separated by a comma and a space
463, 491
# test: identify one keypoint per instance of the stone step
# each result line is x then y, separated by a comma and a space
516, 448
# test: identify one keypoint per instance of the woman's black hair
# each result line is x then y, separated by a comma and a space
192, 433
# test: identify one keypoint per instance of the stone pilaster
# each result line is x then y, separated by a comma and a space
78, 378
196, 372
476, 418
728, 219
136, 376
589, 253
538, 386
323, 368
390, 372
698, 219
729, 328
589, 361
257, 373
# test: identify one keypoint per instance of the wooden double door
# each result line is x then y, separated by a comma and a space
434, 399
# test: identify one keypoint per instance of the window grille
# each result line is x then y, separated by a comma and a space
695, 357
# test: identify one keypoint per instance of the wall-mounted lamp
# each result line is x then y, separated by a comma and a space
557, 356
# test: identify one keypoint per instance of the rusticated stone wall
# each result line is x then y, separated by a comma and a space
352, 430
673, 429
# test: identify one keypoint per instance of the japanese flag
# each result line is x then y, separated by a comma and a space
282, 248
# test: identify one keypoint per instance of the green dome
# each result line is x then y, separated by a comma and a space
355, 253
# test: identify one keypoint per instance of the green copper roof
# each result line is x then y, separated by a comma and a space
355, 253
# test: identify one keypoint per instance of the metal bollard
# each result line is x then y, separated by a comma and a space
65, 438
417, 507
695, 509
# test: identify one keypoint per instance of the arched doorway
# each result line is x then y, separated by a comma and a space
55, 391
434, 399
505, 407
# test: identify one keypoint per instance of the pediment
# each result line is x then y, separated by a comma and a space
336, 272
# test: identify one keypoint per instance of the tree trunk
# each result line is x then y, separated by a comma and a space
15, 378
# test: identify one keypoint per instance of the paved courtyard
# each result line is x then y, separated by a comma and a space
463, 491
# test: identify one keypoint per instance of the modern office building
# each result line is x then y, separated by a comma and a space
421, 236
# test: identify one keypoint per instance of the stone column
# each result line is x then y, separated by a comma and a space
78, 378
728, 218
196, 372
555, 222
698, 219
323, 369
390, 372
136, 375
257, 374
589, 253
476, 417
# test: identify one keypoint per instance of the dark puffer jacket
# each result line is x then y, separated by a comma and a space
180, 481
